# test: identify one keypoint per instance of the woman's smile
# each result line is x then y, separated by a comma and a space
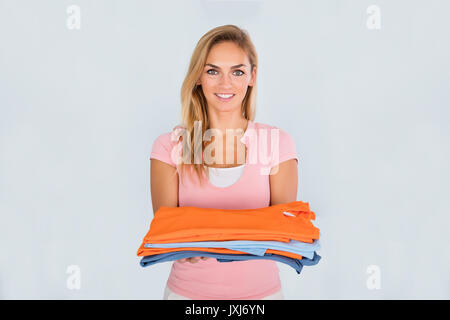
224, 96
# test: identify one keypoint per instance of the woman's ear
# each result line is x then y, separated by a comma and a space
253, 79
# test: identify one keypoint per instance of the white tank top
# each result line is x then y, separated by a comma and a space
224, 177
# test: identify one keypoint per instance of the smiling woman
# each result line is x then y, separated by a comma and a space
219, 92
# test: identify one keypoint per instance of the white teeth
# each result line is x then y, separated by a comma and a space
225, 96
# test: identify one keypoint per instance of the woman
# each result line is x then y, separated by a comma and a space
219, 93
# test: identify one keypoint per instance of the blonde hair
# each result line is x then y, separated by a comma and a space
193, 101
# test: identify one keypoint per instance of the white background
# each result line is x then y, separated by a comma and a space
80, 109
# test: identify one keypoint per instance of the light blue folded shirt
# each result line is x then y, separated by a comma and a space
249, 246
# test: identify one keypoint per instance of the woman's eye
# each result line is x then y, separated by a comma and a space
208, 72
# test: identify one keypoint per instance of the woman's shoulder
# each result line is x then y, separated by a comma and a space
271, 130
171, 137
283, 147
165, 148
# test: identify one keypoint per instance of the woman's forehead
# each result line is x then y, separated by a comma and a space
227, 54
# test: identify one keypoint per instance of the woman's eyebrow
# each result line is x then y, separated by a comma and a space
233, 67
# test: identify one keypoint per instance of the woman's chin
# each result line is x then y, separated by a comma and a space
225, 107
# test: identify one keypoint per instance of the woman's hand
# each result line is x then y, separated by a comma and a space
192, 260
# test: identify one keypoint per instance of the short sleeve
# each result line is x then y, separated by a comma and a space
286, 149
162, 149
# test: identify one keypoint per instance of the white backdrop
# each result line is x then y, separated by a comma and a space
363, 90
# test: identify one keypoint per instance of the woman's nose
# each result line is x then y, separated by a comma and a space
225, 80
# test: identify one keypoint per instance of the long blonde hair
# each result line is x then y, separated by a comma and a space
193, 101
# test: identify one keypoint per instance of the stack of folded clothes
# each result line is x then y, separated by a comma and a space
282, 232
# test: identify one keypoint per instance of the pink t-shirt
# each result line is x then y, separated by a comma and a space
209, 279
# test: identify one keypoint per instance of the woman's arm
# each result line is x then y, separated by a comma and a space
164, 191
163, 184
284, 183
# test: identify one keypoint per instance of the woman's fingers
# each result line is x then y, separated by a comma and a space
192, 260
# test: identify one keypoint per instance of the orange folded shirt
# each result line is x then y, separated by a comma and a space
186, 224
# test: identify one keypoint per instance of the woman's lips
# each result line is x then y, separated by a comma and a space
224, 99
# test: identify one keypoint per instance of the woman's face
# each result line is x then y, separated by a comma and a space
227, 71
